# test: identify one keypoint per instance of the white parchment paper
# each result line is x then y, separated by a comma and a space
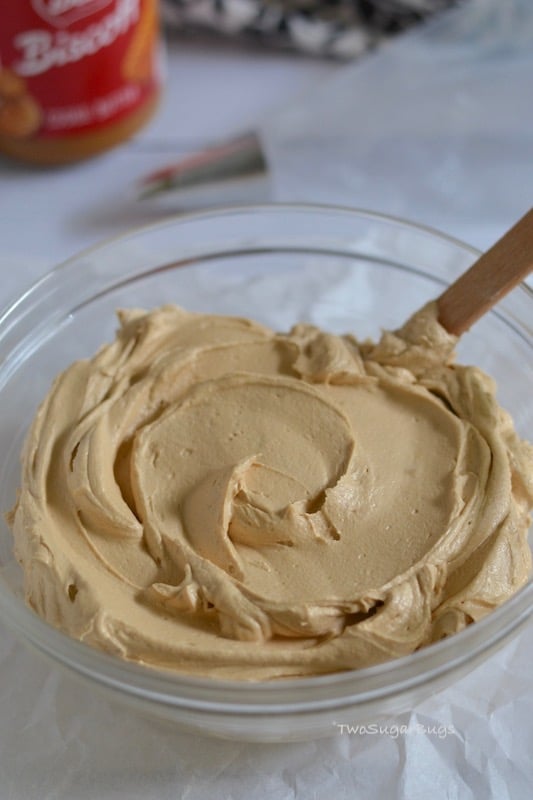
442, 139
62, 740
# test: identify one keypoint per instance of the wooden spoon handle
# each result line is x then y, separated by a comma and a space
494, 274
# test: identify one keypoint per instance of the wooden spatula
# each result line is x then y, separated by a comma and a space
498, 271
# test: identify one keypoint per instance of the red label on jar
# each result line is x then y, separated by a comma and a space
73, 66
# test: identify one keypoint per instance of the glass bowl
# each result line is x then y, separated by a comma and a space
342, 269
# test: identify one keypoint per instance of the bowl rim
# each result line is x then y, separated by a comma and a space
280, 696
230, 210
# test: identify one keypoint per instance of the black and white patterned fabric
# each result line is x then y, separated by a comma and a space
335, 28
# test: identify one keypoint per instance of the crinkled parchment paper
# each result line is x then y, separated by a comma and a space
60, 739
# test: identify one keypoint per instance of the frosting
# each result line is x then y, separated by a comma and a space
208, 495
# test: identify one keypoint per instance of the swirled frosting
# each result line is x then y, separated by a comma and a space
211, 496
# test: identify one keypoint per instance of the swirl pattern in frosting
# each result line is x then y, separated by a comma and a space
211, 496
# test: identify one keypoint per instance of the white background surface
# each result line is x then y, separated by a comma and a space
437, 132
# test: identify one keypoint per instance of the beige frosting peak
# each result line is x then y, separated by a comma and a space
211, 496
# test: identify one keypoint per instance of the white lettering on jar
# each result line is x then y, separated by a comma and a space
43, 50
61, 13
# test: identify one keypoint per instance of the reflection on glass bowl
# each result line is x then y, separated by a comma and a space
340, 269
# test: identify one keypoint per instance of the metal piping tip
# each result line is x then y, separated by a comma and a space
237, 167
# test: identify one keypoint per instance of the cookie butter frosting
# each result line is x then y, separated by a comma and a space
208, 495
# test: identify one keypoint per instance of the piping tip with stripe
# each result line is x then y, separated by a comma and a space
234, 171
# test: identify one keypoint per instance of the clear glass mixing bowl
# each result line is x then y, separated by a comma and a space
342, 269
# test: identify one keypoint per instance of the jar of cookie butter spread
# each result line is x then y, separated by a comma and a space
76, 76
